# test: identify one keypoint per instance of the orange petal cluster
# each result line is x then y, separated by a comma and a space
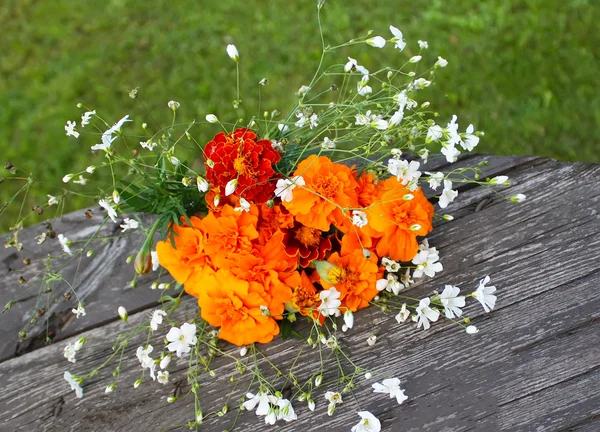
250, 267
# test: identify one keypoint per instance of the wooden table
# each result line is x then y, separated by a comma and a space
534, 365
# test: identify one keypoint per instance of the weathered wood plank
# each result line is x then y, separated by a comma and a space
532, 366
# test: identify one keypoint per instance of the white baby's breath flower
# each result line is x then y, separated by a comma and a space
485, 294
334, 398
359, 218
147, 362
313, 121
403, 314
157, 318
150, 145
80, 311
368, 423
211, 118
498, 180
415, 59
162, 377
371, 340
64, 244
82, 181
86, 117
75, 383
471, 140
283, 128
353, 65
390, 283
90, 169
396, 118
231, 186
285, 187
398, 38
112, 214
52, 200
261, 401
518, 198
71, 349
362, 86
448, 194
377, 42
434, 133
302, 90
441, 62
427, 263
244, 206
203, 185
328, 144
423, 44
435, 179
122, 313
155, 263
451, 301
286, 411
232, 52
349, 319
425, 314
165, 361
330, 302
173, 105
471, 329
70, 129
391, 386
129, 224
450, 152
182, 338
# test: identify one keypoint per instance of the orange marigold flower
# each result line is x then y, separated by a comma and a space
308, 243
233, 305
240, 155
229, 234
188, 252
329, 187
355, 279
273, 219
399, 221
304, 294
367, 189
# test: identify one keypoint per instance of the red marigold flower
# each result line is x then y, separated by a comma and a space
239, 155
308, 243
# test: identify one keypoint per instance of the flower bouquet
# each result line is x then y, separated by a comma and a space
283, 226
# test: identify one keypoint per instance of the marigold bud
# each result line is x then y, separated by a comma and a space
143, 262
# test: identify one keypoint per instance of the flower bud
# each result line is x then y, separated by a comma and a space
110, 388
318, 380
231, 186
203, 185
330, 273
143, 261
123, 313
171, 399
233, 53
211, 118
137, 383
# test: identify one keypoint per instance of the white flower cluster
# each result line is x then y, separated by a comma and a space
271, 407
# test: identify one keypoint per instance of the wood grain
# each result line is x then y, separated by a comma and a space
534, 365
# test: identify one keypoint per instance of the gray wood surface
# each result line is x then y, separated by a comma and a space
534, 365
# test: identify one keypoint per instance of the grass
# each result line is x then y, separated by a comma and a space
524, 71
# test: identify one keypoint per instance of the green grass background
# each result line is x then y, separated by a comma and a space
524, 71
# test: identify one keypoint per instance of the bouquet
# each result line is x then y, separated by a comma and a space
284, 225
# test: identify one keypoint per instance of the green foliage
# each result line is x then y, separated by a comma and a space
523, 71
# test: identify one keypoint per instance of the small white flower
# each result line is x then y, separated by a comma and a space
371, 340
286, 186
71, 349
390, 386
406, 172
283, 128
243, 352
211, 118
110, 388
518, 198
122, 313
498, 180
244, 206
330, 302
390, 284
415, 59
471, 140
150, 145
147, 362
441, 62
359, 218
403, 314
423, 44
396, 118
233, 53
52, 200
451, 301
472, 329
406, 278
86, 117
448, 195
330, 342
424, 153
377, 42
109, 208
353, 65
435, 179
303, 119
157, 318
334, 398
231, 186
129, 224
203, 185
485, 294
302, 90
313, 121
90, 169
67, 178
450, 152
173, 105
398, 38
368, 423
80, 311
74, 382
362, 86
166, 360
155, 263
261, 399
328, 144
419, 84
368, 375
70, 129
434, 133
286, 410
182, 338
426, 314
162, 377
390, 265
427, 263
82, 181
349, 319
64, 244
